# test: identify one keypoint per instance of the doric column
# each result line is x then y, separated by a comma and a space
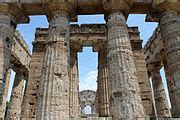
17, 96
6, 38
125, 101
4, 96
103, 79
169, 22
170, 31
96, 103
8, 21
53, 98
74, 81
160, 97
30, 95
170, 84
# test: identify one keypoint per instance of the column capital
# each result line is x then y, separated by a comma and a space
111, 6
97, 46
15, 11
161, 7
19, 69
52, 8
155, 66
75, 46
165, 62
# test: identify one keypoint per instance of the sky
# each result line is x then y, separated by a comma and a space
88, 60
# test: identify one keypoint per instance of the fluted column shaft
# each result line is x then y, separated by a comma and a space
160, 97
6, 37
53, 101
143, 80
96, 103
170, 31
170, 83
103, 82
29, 103
8, 79
125, 101
17, 97
74, 82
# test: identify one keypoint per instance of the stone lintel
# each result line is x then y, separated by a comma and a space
15, 11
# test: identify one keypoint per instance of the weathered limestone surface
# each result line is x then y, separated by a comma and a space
8, 21
96, 103
30, 97
145, 90
3, 105
125, 101
167, 15
54, 88
34, 7
140, 63
167, 50
170, 29
87, 97
120, 54
6, 38
103, 79
74, 81
17, 96
91, 35
155, 52
20, 53
170, 83
161, 101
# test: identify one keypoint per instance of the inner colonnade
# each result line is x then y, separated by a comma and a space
124, 67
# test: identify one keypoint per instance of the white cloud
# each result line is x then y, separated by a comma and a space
88, 82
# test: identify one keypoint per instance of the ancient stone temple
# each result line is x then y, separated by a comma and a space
129, 83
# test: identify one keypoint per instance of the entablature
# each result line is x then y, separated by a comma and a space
20, 54
87, 7
155, 50
89, 34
